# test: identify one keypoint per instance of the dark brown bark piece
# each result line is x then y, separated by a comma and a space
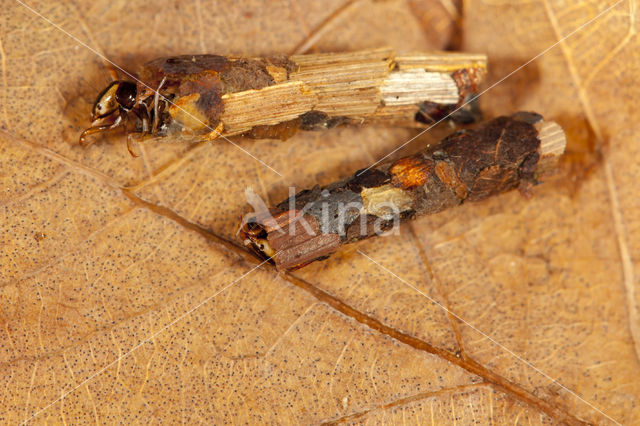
504, 154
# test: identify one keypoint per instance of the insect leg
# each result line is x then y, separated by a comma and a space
156, 97
98, 129
143, 115
130, 145
90, 131
113, 72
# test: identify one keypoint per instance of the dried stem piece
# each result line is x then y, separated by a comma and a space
211, 95
503, 154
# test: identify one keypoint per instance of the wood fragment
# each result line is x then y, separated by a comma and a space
503, 154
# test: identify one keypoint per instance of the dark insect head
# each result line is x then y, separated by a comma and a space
255, 237
126, 94
117, 95
111, 108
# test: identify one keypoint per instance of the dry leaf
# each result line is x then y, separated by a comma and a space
125, 298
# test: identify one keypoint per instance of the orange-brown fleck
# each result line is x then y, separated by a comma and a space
449, 177
468, 80
279, 74
185, 111
282, 131
410, 172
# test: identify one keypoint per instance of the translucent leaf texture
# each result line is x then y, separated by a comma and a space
125, 297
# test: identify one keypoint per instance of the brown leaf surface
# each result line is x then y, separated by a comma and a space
124, 296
